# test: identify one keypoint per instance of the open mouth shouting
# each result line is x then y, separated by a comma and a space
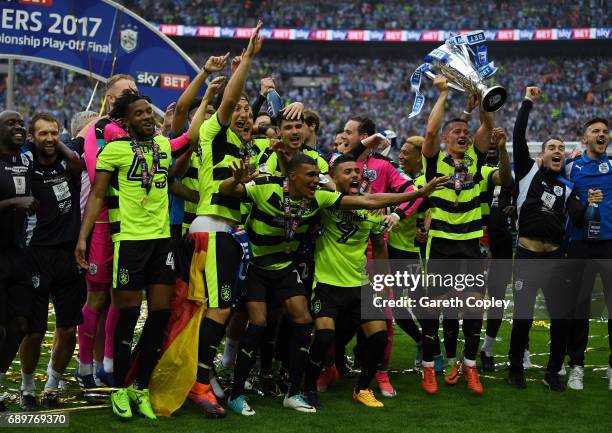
601, 142
556, 161
354, 187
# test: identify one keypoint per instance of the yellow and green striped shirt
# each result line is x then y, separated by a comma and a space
266, 223
455, 214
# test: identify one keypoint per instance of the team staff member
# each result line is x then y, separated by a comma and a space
51, 236
545, 199
456, 226
497, 240
283, 209
591, 172
143, 258
15, 202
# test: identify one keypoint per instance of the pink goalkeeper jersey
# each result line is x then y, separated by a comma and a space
385, 178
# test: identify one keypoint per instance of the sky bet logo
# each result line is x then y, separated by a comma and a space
164, 81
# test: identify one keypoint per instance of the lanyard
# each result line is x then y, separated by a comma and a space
147, 178
365, 179
291, 224
245, 150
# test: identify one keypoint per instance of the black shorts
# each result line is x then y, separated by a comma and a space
449, 257
137, 264
16, 291
305, 266
273, 287
221, 269
333, 301
56, 275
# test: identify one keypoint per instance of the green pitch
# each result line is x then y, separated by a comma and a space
500, 409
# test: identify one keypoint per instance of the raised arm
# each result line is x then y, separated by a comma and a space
181, 112
235, 86
265, 85
198, 117
482, 137
431, 144
370, 143
382, 200
503, 176
520, 150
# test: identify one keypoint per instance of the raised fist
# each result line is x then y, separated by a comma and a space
533, 93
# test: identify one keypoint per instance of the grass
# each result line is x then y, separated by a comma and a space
500, 409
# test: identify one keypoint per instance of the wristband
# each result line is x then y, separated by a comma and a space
469, 113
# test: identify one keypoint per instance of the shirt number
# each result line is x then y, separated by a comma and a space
347, 229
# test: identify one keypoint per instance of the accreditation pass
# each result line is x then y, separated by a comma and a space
58, 419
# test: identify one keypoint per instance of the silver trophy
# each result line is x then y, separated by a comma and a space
453, 61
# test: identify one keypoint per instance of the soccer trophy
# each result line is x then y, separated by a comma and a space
454, 61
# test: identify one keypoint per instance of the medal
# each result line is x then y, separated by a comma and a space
291, 224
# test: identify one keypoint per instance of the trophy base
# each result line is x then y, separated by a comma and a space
494, 98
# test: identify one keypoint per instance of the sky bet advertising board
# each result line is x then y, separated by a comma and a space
97, 38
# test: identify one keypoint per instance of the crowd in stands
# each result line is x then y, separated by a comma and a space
387, 14
574, 90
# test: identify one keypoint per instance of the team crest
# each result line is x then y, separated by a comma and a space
124, 276
226, 292
558, 191
128, 39
93, 269
370, 175
604, 167
316, 306
35, 280
468, 161
518, 285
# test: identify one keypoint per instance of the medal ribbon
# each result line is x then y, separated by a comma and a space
147, 178
291, 224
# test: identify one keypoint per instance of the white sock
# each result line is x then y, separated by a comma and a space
229, 353
451, 361
27, 383
97, 365
469, 362
85, 369
53, 378
428, 364
487, 346
108, 364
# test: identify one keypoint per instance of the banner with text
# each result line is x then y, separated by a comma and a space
384, 35
98, 38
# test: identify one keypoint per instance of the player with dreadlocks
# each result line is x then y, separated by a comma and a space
136, 168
